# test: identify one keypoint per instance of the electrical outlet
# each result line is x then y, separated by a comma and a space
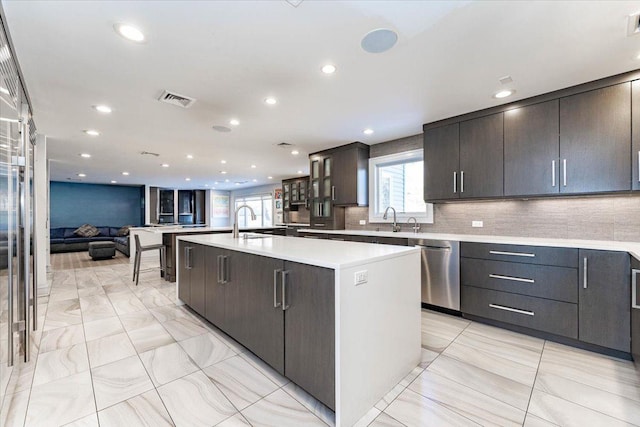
361, 277
479, 224
363, 222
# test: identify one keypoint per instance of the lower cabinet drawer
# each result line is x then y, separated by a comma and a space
562, 257
560, 318
558, 283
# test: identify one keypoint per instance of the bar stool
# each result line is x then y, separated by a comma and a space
138, 259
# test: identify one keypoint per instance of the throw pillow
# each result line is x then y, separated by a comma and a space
87, 230
124, 231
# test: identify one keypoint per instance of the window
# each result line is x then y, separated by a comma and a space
262, 205
397, 181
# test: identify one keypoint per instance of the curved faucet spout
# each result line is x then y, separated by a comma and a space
395, 226
236, 233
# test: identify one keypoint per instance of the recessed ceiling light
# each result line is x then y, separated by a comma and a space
189, 156
102, 108
253, 166
187, 179
368, 131
81, 175
165, 165
299, 171
234, 122
255, 180
269, 177
125, 173
237, 183
504, 93
85, 155
329, 69
226, 180
270, 101
114, 182
129, 32
223, 172
213, 188
223, 161
295, 152
216, 183
92, 132
206, 185
378, 41
4, 90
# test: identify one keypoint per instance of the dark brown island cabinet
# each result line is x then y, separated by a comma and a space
635, 310
246, 303
339, 178
580, 140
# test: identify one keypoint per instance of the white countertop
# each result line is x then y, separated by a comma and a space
321, 253
180, 229
610, 245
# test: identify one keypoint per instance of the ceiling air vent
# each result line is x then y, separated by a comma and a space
176, 99
284, 145
149, 153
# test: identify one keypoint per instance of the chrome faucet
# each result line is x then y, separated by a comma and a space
395, 226
236, 234
415, 227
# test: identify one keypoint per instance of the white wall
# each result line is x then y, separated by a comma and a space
41, 209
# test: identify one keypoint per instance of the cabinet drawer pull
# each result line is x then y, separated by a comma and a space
512, 253
276, 304
515, 279
553, 173
219, 269
462, 181
319, 225
455, 182
285, 273
333, 192
634, 288
514, 310
225, 261
564, 172
584, 270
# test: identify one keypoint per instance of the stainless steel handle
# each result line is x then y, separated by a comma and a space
513, 310
584, 271
187, 258
634, 288
638, 166
523, 254
553, 173
276, 304
26, 234
515, 279
462, 181
319, 225
227, 275
455, 181
434, 248
564, 172
333, 192
285, 273
219, 259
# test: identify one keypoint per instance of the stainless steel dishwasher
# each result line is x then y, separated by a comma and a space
440, 272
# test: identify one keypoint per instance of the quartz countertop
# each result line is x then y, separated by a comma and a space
321, 253
610, 245
178, 229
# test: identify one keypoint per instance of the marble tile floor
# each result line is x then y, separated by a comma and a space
109, 353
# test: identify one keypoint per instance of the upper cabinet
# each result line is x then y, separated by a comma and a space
481, 147
595, 138
464, 160
295, 193
339, 178
574, 141
531, 149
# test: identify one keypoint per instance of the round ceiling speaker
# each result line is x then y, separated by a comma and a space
378, 41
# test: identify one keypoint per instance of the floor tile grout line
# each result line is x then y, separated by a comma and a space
497, 356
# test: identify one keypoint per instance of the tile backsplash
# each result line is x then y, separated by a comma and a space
596, 218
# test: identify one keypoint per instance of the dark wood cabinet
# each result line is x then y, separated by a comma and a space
442, 162
532, 150
214, 296
253, 315
604, 295
481, 157
192, 276
635, 135
635, 310
595, 137
295, 193
309, 322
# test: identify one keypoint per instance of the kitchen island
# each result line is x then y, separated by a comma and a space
339, 319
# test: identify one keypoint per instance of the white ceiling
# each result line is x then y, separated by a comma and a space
230, 55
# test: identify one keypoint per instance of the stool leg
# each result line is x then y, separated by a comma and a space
163, 262
135, 264
137, 271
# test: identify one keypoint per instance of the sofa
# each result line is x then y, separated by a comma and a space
63, 239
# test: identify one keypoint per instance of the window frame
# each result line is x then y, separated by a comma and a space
264, 198
425, 217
